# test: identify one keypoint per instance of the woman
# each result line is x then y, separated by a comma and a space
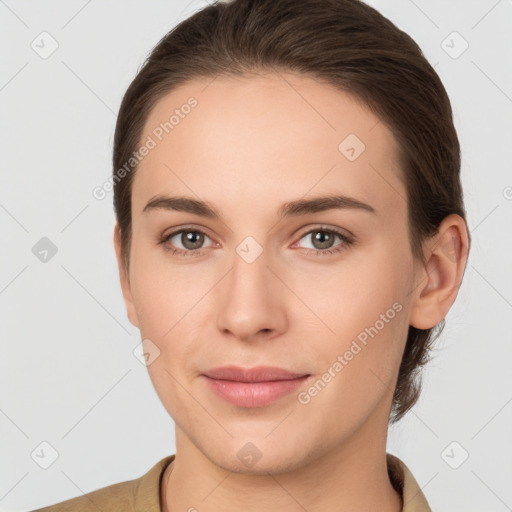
290, 234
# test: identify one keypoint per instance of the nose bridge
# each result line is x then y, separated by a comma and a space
249, 275
250, 301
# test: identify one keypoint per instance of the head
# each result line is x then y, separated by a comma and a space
247, 107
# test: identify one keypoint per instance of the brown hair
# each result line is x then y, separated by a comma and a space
347, 44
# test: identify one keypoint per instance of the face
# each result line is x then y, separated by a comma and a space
321, 289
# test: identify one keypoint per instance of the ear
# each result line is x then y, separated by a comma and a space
438, 281
124, 279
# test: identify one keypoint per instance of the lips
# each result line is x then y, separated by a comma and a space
257, 374
253, 387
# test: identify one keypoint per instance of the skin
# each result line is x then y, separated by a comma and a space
251, 144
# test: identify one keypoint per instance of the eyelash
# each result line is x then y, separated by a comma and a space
347, 241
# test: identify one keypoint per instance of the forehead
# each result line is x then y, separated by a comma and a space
246, 138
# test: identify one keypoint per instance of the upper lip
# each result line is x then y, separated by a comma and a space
257, 374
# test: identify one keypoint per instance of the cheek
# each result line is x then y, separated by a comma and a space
357, 369
358, 312
343, 299
163, 294
170, 304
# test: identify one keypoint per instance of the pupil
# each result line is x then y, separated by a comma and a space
324, 238
189, 238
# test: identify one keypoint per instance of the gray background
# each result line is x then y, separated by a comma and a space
69, 375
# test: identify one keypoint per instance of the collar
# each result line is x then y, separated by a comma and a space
405, 484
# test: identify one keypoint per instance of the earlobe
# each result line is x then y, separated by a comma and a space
438, 281
124, 279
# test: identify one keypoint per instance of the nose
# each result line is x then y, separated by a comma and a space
252, 300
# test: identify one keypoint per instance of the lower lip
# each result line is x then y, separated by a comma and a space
253, 394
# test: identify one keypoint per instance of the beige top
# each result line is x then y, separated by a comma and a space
143, 494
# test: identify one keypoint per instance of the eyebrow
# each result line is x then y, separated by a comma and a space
289, 209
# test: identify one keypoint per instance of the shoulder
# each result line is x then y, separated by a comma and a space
132, 495
121, 496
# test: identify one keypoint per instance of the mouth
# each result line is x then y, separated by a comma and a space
257, 374
254, 387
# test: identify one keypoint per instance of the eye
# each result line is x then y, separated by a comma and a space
191, 241
322, 240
